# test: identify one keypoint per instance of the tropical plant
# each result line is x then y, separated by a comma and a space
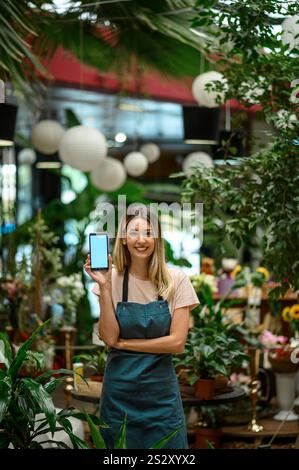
107, 35
27, 411
97, 361
120, 442
210, 352
260, 191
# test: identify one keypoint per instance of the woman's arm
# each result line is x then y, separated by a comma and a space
108, 325
173, 343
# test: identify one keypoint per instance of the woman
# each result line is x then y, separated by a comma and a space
144, 319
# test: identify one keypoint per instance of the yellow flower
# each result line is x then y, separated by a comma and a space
265, 272
294, 311
286, 314
236, 271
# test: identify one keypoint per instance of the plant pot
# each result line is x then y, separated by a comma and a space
204, 389
204, 436
96, 378
221, 382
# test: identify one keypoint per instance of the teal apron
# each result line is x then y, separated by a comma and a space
142, 385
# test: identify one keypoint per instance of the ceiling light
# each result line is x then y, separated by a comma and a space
120, 137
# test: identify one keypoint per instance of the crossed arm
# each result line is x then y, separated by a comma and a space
173, 343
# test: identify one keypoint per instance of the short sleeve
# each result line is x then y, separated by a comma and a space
96, 290
185, 295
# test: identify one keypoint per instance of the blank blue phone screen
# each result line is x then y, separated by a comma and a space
98, 251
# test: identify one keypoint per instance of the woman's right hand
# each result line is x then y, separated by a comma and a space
101, 277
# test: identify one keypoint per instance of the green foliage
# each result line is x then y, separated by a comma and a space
120, 442
213, 345
97, 360
260, 191
27, 411
112, 36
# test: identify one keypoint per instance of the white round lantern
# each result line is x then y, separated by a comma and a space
26, 156
151, 151
135, 163
109, 176
46, 136
83, 148
290, 29
205, 97
196, 159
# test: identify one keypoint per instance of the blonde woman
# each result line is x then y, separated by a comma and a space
144, 319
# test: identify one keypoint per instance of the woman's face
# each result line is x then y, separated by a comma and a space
140, 238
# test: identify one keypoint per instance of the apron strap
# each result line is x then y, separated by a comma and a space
126, 284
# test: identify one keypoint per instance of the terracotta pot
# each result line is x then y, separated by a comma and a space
221, 382
204, 436
204, 389
96, 378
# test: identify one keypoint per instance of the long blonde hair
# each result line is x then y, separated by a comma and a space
158, 271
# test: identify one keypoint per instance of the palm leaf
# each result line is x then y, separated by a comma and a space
5, 393
97, 438
162, 442
121, 441
42, 400
7, 357
21, 354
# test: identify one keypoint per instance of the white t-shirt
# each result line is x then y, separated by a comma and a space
144, 292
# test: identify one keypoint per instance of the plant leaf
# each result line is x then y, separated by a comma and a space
96, 436
21, 354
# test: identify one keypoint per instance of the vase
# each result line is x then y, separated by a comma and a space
285, 394
297, 389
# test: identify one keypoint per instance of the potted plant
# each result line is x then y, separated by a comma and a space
28, 417
214, 352
96, 362
212, 348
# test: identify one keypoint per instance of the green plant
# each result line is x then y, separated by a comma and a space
120, 442
27, 411
213, 345
110, 36
260, 191
97, 361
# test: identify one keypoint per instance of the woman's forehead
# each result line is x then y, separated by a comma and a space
138, 224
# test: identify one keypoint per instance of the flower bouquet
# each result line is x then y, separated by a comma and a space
280, 359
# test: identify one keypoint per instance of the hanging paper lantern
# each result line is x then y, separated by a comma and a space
83, 148
109, 176
26, 156
151, 151
46, 136
196, 159
135, 163
290, 29
205, 97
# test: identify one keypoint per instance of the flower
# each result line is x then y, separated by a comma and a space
268, 339
264, 271
294, 311
68, 291
291, 316
236, 271
198, 281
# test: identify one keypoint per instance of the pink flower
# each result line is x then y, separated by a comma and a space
267, 338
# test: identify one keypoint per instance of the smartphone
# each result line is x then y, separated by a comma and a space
99, 251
